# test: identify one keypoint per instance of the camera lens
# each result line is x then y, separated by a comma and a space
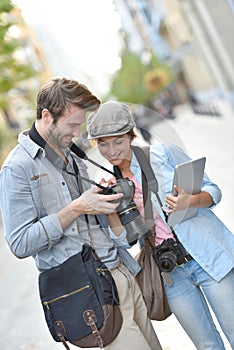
167, 261
127, 210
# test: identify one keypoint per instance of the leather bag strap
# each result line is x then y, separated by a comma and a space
149, 181
91, 320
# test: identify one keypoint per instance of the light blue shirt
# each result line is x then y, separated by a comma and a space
33, 190
204, 236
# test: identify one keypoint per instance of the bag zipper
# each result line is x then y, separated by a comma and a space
102, 270
46, 303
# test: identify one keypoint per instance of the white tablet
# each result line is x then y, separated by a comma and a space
188, 176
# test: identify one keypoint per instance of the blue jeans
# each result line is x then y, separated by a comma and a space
192, 288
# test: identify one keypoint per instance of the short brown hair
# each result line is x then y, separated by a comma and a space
132, 134
58, 93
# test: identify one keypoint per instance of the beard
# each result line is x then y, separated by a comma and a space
58, 139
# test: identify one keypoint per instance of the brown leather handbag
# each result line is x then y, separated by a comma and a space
149, 278
151, 284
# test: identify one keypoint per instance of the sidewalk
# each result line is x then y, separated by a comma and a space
22, 324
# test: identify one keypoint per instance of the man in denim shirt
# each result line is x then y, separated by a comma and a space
49, 215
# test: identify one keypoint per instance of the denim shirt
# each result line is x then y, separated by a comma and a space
204, 236
33, 190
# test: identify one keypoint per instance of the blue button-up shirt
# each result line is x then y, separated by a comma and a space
33, 190
204, 236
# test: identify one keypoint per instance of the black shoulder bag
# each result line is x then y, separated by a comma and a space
80, 299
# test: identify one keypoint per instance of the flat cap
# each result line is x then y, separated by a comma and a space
111, 119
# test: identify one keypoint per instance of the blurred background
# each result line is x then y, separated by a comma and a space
172, 61
156, 53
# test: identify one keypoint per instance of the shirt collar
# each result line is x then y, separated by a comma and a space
25, 141
34, 143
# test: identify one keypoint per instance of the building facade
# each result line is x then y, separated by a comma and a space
192, 36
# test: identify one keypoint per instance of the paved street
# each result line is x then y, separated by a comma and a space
22, 325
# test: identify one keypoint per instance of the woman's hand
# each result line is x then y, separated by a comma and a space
179, 201
108, 183
183, 200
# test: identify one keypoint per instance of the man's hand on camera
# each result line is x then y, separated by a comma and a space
92, 202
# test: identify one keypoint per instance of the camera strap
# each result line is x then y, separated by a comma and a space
149, 183
59, 163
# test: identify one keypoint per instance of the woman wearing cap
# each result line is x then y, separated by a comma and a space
208, 276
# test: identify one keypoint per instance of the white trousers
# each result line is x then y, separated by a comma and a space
137, 332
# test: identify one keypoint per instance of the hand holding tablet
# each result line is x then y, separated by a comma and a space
187, 176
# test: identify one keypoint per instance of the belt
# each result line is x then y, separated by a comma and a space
186, 259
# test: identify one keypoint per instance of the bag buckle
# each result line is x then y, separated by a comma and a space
91, 319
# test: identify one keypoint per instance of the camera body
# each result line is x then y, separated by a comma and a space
169, 253
127, 210
123, 185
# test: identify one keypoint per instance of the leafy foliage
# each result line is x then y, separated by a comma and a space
137, 82
12, 69
15, 69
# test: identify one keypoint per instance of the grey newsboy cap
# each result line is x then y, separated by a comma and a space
111, 119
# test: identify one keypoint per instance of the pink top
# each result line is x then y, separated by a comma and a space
162, 230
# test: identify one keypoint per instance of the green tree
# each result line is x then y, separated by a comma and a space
15, 70
12, 70
137, 82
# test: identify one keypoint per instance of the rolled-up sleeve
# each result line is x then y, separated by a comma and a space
211, 188
121, 240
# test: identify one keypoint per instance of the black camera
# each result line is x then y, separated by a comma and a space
169, 253
127, 210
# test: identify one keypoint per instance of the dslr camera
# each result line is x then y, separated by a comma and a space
127, 210
169, 253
